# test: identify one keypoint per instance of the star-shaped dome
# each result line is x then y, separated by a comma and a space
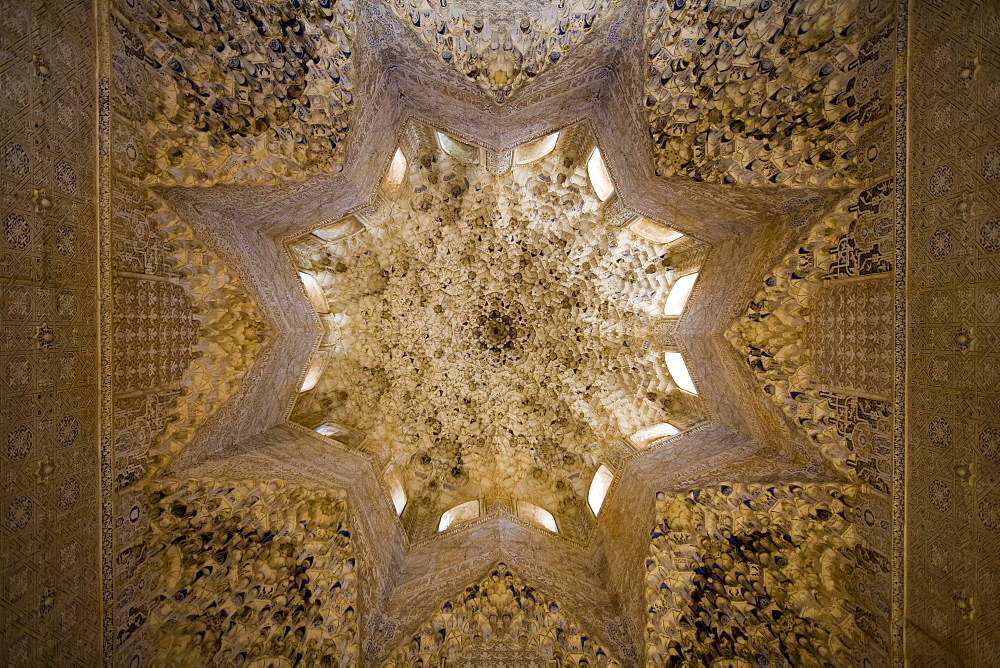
476, 333
489, 339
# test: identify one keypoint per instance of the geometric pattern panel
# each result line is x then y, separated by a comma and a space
49, 515
48, 518
182, 339
953, 307
153, 333
851, 332
823, 348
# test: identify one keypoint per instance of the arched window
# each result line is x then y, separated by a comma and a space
396, 491
339, 432
679, 293
600, 178
648, 229
340, 230
536, 150
463, 512
314, 292
316, 369
458, 149
397, 170
599, 488
679, 371
644, 437
529, 512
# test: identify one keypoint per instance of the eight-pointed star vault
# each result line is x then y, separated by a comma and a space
491, 341
464, 195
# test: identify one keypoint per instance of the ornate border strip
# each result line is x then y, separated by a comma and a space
897, 616
105, 433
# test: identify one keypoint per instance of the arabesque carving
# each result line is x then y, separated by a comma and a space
492, 332
772, 335
231, 333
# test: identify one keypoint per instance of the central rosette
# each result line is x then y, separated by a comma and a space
501, 329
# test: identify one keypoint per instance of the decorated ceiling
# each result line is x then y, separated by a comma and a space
491, 338
501, 46
515, 333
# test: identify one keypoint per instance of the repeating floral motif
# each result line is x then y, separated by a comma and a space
16, 230
48, 522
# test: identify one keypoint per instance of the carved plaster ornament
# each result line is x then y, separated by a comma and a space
785, 66
731, 575
249, 91
772, 336
434, 326
501, 47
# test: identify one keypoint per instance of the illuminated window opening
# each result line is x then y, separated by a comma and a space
536, 150
679, 293
679, 372
648, 229
340, 230
314, 292
397, 170
600, 178
325, 429
599, 488
463, 512
529, 512
644, 437
458, 149
396, 491
313, 374
339, 432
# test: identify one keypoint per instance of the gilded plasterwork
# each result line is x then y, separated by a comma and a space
242, 91
502, 619
491, 329
501, 46
492, 338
